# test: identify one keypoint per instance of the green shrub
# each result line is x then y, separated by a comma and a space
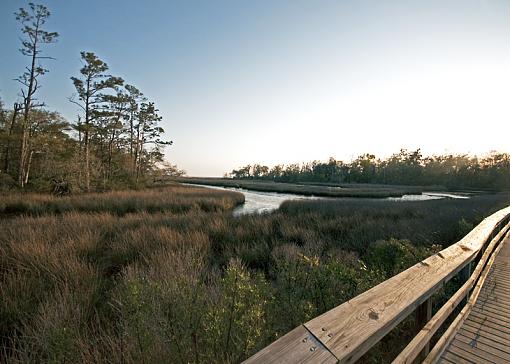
393, 256
464, 227
307, 285
237, 320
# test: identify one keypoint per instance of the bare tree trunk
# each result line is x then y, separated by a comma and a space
110, 154
29, 163
139, 153
23, 155
131, 137
136, 154
26, 114
17, 108
80, 151
87, 162
86, 138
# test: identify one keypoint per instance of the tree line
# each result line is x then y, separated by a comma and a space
116, 138
402, 168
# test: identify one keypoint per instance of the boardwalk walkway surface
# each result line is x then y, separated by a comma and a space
485, 335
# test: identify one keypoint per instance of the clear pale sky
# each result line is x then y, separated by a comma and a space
243, 81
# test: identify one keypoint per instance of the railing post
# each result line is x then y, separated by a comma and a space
423, 314
464, 275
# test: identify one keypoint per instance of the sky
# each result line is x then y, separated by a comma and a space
241, 82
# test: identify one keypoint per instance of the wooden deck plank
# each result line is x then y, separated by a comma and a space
466, 355
476, 354
504, 317
491, 294
481, 332
485, 320
483, 350
501, 271
503, 267
490, 345
451, 357
499, 281
492, 285
495, 299
485, 334
493, 309
488, 328
498, 307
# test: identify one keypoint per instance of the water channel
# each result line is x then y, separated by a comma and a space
261, 202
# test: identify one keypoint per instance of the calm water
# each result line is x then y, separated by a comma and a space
261, 202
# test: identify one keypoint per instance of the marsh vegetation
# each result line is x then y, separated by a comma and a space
169, 275
106, 270
307, 189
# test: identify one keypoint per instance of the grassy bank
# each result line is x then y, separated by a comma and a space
194, 284
308, 189
172, 199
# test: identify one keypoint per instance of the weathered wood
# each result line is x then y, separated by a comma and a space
467, 356
422, 339
479, 353
349, 330
423, 315
487, 331
449, 335
298, 346
487, 321
413, 349
493, 306
464, 275
455, 359
485, 340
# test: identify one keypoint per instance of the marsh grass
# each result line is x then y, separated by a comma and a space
173, 199
309, 189
159, 283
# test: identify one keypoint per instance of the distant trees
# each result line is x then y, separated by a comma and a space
116, 140
404, 168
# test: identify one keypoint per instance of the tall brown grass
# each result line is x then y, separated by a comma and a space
174, 199
309, 189
83, 282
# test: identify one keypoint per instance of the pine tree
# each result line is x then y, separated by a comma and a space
91, 89
32, 22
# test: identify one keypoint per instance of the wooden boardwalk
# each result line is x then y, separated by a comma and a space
484, 337
479, 333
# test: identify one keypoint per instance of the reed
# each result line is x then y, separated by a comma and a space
169, 275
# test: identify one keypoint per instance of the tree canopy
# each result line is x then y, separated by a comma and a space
116, 139
402, 168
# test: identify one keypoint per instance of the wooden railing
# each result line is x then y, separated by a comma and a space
348, 331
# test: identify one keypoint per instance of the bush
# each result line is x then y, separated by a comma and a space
237, 319
393, 256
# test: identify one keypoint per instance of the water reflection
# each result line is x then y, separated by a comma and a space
262, 202
426, 196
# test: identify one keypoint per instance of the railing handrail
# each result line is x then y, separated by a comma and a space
346, 332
